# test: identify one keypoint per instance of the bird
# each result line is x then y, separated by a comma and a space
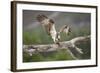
65, 29
49, 26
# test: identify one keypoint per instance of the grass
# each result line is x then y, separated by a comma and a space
40, 37
55, 56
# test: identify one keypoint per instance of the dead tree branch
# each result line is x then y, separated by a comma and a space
69, 46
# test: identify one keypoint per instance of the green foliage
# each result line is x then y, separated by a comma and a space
36, 37
62, 55
39, 36
33, 58
55, 56
86, 48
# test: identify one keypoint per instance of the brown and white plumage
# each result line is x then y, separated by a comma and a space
65, 29
49, 26
46, 22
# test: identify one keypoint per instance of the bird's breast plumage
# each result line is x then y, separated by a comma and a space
45, 22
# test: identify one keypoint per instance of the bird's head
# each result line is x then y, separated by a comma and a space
41, 17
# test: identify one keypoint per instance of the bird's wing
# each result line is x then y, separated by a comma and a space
62, 28
51, 22
66, 29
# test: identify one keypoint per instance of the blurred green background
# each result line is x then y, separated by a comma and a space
33, 33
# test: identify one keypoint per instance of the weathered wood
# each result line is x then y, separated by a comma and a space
70, 46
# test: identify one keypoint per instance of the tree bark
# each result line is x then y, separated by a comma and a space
70, 46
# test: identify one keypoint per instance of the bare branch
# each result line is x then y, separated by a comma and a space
67, 45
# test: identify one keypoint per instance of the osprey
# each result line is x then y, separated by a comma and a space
49, 26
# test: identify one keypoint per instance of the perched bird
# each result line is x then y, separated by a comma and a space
49, 26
